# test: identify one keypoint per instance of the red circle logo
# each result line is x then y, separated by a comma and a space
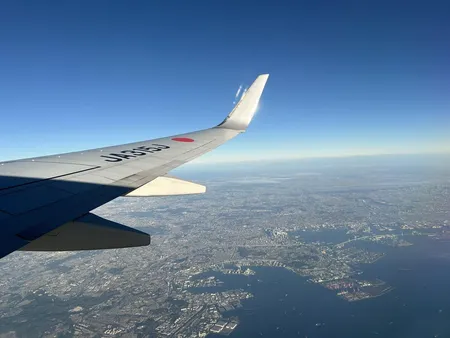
183, 139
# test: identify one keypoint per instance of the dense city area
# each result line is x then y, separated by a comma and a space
320, 222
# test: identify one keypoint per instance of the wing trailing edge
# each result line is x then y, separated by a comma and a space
89, 232
242, 114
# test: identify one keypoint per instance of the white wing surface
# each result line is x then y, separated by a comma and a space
45, 202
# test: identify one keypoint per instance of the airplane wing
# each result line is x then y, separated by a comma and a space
45, 202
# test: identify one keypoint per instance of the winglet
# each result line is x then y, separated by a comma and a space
245, 109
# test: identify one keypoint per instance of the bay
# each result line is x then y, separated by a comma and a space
286, 305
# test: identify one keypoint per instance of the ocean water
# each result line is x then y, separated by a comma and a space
286, 305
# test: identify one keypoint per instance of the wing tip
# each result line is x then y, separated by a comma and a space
242, 114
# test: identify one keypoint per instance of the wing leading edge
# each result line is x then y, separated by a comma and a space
48, 197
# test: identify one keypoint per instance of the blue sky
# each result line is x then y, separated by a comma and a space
347, 78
